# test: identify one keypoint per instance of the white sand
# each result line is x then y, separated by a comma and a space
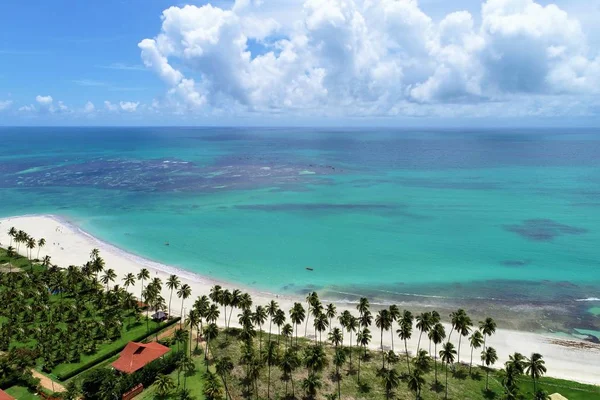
68, 245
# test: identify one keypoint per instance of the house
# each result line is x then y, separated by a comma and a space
5, 396
136, 355
160, 316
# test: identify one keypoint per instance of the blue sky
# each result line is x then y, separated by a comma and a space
300, 62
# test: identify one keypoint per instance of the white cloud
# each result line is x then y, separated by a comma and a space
89, 108
5, 104
110, 106
45, 101
129, 106
366, 57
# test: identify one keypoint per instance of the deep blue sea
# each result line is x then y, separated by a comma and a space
511, 216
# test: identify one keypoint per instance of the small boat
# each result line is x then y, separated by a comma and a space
309, 269
166, 243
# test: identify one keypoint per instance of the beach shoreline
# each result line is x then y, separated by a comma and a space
67, 244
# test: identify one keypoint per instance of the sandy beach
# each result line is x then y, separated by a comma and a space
68, 245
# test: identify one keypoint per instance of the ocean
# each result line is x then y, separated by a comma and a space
490, 218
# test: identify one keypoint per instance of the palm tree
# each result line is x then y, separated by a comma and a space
489, 357
447, 355
422, 361
476, 341
212, 388
487, 328
184, 292
363, 338
339, 359
259, 317
109, 276
311, 384
10, 253
335, 337
164, 384
320, 324
331, 312
518, 361
415, 382
270, 356
297, 316
311, 299
435, 319
193, 319
279, 320
541, 395
535, 368
382, 321
179, 337
362, 306
272, 309
224, 367
288, 364
41, 243
287, 331
394, 316
464, 327
423, 325
351, 326
172, 284
142, 275
210, 333
31, 243
405, 333
12, 233
455, 319
390, 379
129, 280
437, 334
315, 358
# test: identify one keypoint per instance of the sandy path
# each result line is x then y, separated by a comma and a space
48, 383
68, 245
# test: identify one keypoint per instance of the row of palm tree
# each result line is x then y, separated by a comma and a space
21, 237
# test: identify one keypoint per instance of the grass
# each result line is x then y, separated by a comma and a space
461, 385
194, 383
21, 393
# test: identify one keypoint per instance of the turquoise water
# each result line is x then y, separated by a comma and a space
508, 215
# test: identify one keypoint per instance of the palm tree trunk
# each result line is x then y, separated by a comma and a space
229, 320
170, 298
471, 364
306, 325
419, 342
181, 315
435, 361
270, 322
483, 348
458, 354
487, 377
359, 367
350, 352
382, 355
407, 360
446, 382
269, 381
392, 334
338, 382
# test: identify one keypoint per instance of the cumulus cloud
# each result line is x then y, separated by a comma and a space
5, 104
89, 107
110, 106
366, 57
129, 106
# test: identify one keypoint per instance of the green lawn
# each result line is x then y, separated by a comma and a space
128, 335
571, 390
21, 393
193, 382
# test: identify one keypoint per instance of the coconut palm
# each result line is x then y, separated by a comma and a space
279, 319
297, 316
193, 319
272, 309
142, 275
330, 312
335, 337
423, 325
245, 301
315, 358
210, 333
172, 284
415, 382
489, 357
259, 317
109, 276
405, 333
447, 355
270, 356
476, 341
487, 328
12, 233
394, 316
288, 364
365, 319
312, 299
422, 361
343, 319
30, 244
351, 326
320, 324
390, 379
41, 243
164, 384
287, 331
224, 367
518, 361
216, 292
212, 388
535, 368
455, 320
363, 306
437, 334
383, 322
435, 319
184, 292
339, 359
363, 338
129, 280
541, 395
463, 328
311, 384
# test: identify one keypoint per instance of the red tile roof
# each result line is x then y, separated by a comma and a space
5, 396
135, 355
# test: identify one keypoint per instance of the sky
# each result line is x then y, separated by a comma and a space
300, 62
